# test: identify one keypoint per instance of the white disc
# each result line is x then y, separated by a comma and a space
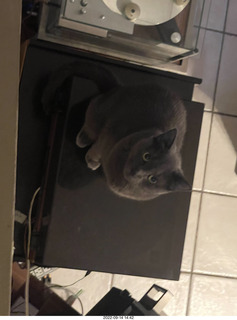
152, 12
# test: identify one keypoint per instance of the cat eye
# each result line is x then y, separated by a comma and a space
152, 179
146, 156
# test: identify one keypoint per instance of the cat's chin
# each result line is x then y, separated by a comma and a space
124, 192
142, 198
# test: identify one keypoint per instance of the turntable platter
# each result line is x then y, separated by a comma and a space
147, 12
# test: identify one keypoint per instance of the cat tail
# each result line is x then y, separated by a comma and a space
59, 79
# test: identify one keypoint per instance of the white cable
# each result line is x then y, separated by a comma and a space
74, 295
27, 285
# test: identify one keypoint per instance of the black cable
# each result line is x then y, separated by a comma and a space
69, 285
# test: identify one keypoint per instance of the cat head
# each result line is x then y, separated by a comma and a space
153, 167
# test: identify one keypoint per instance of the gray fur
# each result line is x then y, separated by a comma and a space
129, 124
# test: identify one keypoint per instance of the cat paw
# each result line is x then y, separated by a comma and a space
82, 139
92, 164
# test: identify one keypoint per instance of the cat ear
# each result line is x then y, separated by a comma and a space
177, 182
166, 140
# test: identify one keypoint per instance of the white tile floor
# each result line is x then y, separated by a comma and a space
208, 282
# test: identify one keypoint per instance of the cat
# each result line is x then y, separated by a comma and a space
135, 132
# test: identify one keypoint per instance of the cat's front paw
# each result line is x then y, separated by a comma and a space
82, 139
92, 164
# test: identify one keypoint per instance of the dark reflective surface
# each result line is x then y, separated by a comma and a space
90, 227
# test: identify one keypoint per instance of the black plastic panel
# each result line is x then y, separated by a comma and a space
90, 227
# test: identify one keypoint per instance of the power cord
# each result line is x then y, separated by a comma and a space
74, 296
72, 284
27, 284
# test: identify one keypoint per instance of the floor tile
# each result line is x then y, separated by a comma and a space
94, 286
226, 94
221, 164
231, 25
214, 14
138, 286
213, 296
191, 232
205, 65
202, 151
217, 237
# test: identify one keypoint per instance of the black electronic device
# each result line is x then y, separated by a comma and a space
120, 302
83, 224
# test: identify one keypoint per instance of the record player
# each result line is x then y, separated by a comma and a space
147, 32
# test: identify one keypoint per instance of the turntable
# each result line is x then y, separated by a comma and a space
147, 32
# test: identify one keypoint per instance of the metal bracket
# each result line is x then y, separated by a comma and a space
156, 299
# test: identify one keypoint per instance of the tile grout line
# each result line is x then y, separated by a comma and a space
222, 194
195, 245
221, 51
205, 169
215, 193
200, 21
222, 113
211, 275
199, 28
217, 31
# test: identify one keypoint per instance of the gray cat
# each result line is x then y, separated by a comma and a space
136, 134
